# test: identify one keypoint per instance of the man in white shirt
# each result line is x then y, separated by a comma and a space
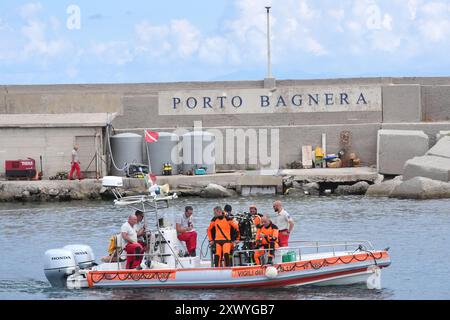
284, 222
131, 245
186, 232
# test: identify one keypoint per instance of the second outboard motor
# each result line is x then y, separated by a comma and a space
84, 257
59, 264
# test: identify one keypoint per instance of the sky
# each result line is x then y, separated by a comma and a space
137, 41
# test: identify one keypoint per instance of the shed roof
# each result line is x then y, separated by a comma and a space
66, 120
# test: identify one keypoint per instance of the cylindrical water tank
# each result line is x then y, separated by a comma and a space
199, 152
165, 150
126, 148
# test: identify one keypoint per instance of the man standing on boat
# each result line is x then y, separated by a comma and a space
140, 227
266, 239
131, 245
186, 232
219, 235
228, 211
284, 222
256, 217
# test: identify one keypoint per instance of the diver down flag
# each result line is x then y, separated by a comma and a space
151, 136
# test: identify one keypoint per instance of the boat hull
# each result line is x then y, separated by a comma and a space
338, 270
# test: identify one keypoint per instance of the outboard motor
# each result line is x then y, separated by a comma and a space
59, 264
84, 257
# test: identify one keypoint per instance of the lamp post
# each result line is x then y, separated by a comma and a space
269, 81
269, 58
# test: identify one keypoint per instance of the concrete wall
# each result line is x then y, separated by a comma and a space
291, 138
53, 144
436, 103
141, 111
408, 104
430, 129
402, 103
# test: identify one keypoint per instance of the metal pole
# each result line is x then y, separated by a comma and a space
269, 58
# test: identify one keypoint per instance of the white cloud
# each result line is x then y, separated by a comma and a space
3, 25
30, 10
187, 37
412, 8
387, 22
434, 25
436, 31
35, 31
435, 8
113, 52
213, 50
302, 30
315, 47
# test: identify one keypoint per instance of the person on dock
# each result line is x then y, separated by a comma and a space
132, 247
75, 163
186, 232
219, 235
266, 240
284, 222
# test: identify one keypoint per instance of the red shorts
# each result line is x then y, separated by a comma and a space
283, 239
134, 258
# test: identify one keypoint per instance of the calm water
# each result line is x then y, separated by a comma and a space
416, 231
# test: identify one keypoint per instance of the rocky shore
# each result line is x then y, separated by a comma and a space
47, 191
292, 186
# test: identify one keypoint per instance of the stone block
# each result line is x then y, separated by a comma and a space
384, 189
215, 191
359, 188
436, 168
395, 147
421, 188
442, 134
441, 149
402, 103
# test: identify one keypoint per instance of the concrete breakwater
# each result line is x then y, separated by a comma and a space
245, 183
288, 183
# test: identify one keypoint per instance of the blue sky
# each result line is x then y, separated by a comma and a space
169, 41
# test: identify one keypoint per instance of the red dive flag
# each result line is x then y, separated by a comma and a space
151, 136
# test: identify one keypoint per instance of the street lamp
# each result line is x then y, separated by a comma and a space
269, 82
269, 62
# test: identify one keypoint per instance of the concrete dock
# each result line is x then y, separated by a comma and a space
242, 183
339, 175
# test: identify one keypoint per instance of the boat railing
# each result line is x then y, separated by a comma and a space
300, 247
303, 247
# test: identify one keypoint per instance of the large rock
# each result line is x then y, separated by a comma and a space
436, 168
422, 188
303, 189
441, 148
359, 188
45, 190
442, 134
312, 189
295, 193
215, 191
383, 189
395, 147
